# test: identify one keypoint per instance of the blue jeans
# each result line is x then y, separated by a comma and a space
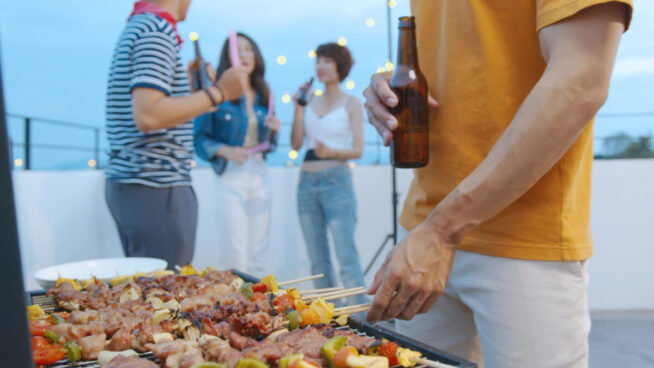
326, 200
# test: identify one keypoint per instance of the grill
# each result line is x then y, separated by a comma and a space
355, 324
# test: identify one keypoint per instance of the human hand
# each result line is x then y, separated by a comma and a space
412, 277
379, 98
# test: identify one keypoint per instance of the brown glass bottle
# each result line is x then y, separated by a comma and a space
410, 143
199, 69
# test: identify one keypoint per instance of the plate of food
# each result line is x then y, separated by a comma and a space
103, 269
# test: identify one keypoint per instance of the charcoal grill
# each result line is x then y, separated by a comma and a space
355, 324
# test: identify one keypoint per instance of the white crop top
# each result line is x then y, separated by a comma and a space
332, 129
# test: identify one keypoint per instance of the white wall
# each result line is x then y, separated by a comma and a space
62, 217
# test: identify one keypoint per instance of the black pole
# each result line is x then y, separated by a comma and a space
96, 148
15, 348
28, 143
394, 195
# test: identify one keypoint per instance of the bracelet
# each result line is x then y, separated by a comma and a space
213, 100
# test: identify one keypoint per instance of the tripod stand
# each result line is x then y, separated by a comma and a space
392, 236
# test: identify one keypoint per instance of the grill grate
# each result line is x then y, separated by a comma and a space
48, 304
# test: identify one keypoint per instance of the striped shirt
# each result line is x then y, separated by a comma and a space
147, 55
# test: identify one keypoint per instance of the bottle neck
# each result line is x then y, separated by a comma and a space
196, 45
407, 49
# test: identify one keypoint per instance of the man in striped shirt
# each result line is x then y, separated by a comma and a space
149, 112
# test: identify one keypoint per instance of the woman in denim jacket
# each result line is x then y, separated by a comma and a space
230, 139
332, 127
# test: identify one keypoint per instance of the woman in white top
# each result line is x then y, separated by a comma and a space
332, 127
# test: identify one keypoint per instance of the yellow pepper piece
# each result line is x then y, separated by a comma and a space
159, 274
324, 309
139, 274
34, 312
407, 357
206, 271
293, 293
72, 282
187, 271
342, 320
121, 280
300, 305
270, 282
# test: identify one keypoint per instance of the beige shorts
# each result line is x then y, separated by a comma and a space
500, 312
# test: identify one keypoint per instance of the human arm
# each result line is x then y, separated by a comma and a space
580, 53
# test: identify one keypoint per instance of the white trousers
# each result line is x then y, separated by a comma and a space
243, 195
500, 312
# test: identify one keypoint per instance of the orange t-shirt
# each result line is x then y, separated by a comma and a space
481, 59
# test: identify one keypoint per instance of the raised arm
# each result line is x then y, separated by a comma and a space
580, 52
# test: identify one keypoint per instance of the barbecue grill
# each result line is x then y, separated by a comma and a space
355, 324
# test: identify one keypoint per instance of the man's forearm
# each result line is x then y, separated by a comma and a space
168, 112
546, 125
580, 54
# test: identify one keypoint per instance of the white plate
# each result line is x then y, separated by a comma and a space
103, 269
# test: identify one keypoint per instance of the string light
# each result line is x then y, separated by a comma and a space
92, 163
391, 3
193, 36
389, 66
286, 98
18, 162
380, 69
350, 85
312, 53
281, 59
342, 41
319, 92
352, 165
370, 22
193, 163
292, 154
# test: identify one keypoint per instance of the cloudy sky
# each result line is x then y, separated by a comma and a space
56, 55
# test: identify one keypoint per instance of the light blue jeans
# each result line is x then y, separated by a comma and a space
326, 200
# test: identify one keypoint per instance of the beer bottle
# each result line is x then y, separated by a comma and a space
199, 66
410, 143
303, 98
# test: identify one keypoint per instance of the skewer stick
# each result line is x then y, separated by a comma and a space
431, 363
178, 268
318, 291
352, 309
308, 278
345, 294
332, 293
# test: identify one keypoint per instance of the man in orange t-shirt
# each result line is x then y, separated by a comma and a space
499, 218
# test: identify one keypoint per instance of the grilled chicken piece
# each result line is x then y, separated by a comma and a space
122, 361
92, 345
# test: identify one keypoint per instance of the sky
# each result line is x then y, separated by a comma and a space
55, 59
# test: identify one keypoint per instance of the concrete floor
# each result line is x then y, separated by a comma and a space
622, 339
618, 339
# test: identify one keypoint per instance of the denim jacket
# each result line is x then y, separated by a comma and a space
227, 126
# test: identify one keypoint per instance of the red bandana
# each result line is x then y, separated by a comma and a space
141, 7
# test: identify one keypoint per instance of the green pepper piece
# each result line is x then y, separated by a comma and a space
246, 289
250, 363
329, 349
294, 320
52, 336
57, 319
284, 362
73, 352
209, 365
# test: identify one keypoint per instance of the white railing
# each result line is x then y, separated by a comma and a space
62, 217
